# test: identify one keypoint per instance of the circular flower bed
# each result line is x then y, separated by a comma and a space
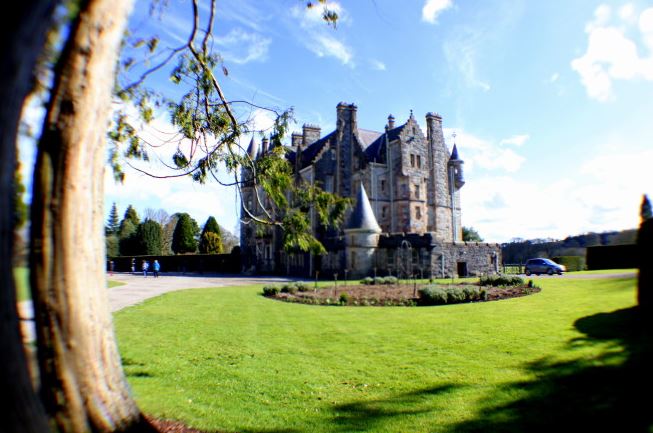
400, 294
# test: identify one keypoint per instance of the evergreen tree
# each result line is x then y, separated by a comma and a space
132, 216
214, 246
210, 243
113, 223
184, 236
112, 245
471, 235
149, 237
127, 238
646, 212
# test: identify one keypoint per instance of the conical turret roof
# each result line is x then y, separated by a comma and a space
362, 218
454, 153
252, 149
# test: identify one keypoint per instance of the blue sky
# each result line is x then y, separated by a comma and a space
551, 102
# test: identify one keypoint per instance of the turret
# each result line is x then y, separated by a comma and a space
362, 236
456, 168
252, 149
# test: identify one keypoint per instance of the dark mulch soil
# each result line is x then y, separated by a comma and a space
393, 292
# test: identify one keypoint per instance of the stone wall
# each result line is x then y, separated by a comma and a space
475, 257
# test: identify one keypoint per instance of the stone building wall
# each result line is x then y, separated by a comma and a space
478, 259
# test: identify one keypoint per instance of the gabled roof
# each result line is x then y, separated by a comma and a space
373, 151
362, 218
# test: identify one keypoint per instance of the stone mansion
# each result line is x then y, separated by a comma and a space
406, 213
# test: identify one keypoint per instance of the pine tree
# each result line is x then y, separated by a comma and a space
113, 223
149, 237
646, 212
130, 215
212, 244
127, 238
183, 238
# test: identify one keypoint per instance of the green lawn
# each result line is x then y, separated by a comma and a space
21, 276
227, 359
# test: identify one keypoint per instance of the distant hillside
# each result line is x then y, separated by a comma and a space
520, 250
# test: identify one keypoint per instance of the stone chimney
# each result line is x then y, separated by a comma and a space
296, 140
311, 134
433, 123
346, 113
265, 144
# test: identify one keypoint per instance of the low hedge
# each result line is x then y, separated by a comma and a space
572, 263
500, 280
379, 280
440, 295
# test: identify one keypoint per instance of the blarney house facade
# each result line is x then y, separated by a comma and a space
406, 215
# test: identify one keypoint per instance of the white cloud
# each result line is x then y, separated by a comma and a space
480, 153
433, 8
242, 47
627, 12
611, 55
327, 45
377, 65
320, 38
515, 140
605, 197
554, 77
461, 53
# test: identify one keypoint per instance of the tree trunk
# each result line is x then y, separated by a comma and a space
23, 30
83, 387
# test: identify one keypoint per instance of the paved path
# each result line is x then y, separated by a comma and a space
584, 276
138, 288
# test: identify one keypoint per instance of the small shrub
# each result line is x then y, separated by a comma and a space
289, 288
471, 293
379, 280
500, 280
391, 280
368, 281
454, 295
482, 293
344, 298
270, 290
432, 295
302, 287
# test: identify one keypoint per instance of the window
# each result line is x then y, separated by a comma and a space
382, 185
412, 160
404, 190
417, 191
384, 212
419, 161
418, 212
328, 184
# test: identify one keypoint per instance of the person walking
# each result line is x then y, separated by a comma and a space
146, 266
156, 267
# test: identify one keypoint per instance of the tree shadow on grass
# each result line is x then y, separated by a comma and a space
609, 393
369, 415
